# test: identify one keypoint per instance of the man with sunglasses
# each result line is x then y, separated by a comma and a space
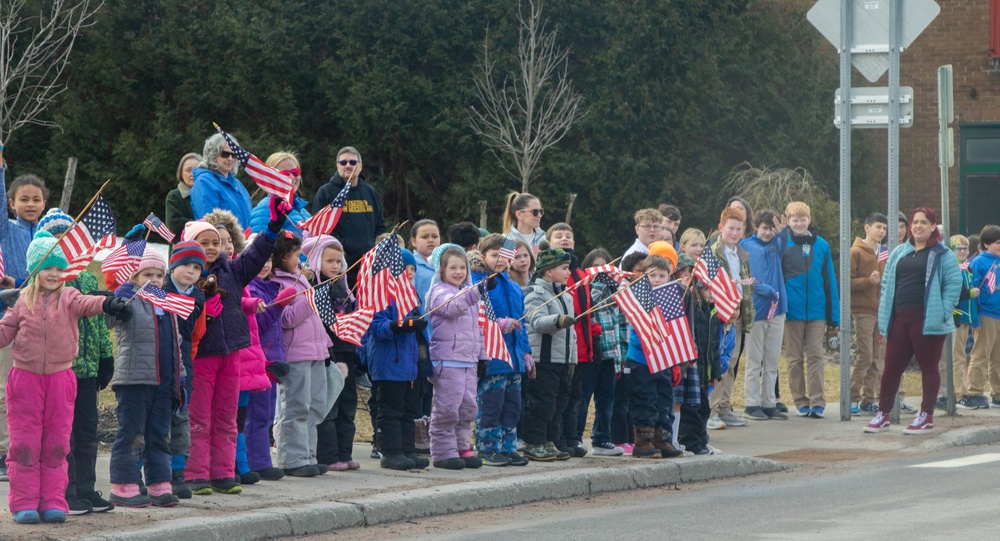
362, 219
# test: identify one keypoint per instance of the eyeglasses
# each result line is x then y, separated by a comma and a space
649, 227
225, 154
291, 172
961, 248
345, 162
534, 212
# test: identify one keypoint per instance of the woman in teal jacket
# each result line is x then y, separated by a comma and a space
920, 289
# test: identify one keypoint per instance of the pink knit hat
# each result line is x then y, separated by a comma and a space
193, 229
151, 260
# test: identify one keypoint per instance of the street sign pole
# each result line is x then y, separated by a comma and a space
946, 115
846, 26
895, 22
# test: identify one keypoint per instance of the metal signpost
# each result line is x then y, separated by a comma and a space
870, 35
946, 159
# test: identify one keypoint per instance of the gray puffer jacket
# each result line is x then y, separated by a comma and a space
549, 343
136, 345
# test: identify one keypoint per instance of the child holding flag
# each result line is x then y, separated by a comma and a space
868, 258
986, 351
966, 326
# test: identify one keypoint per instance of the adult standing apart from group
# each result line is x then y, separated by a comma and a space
215, 182
178, 209
287, 164
362, 219
521, 219
920, 290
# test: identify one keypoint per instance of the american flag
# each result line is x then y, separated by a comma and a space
964, 266
157, 225
727, 295
182, 305
383, 277
991, 281
883, 254
125, 256
325, 221
637, 304
509, 249
319, 300
592, 273
94, 231
268, 178
496, 348
774, 308
351, 327
1, 265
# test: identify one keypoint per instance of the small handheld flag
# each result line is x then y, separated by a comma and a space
182, 305
157, 225
268, 178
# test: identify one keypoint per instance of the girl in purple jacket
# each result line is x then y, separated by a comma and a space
302, 395
456, 345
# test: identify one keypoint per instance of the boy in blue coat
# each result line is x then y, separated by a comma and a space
499, 391
813, 309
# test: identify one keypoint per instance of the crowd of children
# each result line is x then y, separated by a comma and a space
204, 398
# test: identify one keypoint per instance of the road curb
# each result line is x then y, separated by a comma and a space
384, 508
959, 437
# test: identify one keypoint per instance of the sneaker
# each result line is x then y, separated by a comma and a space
578, 450
628, 447
606, 449
942, 403
397, 462
250, 478
879, 424
53, 516
339, 466
164, 500
226, 486
972, 403
754, 413
803, 411
817, 412
494, 459
994, 403
201, 487
419, 462
714, 423
908, 409
732, 420
135, 502
98, 503
28, 516
516, 459
375, 454
79, 507
855, 410
321, 469
302, 471
450, 464
775, 414
567, 452
704, 451
868, 408
539, 452
781, 407
923, 423
267, 474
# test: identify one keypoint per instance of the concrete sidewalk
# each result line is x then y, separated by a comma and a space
374, 496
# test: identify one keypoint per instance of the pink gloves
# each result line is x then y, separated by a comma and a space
284, 297
213, 306
508, 324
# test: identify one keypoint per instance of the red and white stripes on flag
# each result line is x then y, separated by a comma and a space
883, 254
383, 277
648, 324
725, 291
182, 305
616, 274
351, 327
496, 348
268, 178
991, 281
157, 225
773, 310
325, 221
1, 266
94, 232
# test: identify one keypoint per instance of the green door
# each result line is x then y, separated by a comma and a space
978, 176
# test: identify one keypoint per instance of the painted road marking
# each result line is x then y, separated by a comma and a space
959, 462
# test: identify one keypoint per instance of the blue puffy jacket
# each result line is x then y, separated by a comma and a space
213, 191
390, 356
261, 215
765, 266
942, 287
810, 281
508, 301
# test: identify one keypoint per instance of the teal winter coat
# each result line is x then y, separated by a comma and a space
942, 285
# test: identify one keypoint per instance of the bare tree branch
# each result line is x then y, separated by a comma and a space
525, 115
34, 53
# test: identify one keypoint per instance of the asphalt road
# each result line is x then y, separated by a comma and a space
916, 497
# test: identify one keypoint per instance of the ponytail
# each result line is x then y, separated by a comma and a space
515, 202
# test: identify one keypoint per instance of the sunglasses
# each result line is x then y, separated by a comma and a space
225, 154
291, 172
535, 212
345, 162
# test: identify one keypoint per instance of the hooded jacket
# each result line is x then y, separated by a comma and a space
211, 190
304, 334
989, 303
508, 301
864, 294
533, 240
185, 327
942, 285
272, 342
765, 266
260, 216
361, 220
549, 343
391, 356
137, 347
253, 377
177, 210
810, 280
457, 337
587, 330
15, 236
340, 296
747, 311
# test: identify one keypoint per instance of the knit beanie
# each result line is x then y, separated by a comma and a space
185, 252
903, 218
683, 261
665, 250
55, 221
408, 259
193, 229
42, 243
151, 260
551, 258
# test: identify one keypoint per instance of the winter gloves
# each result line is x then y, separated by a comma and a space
508, 324
409, 325
284, 297
566, 322
213, 306
105, 371
278, 210
9, 297
117, 307
181, 402
488, 285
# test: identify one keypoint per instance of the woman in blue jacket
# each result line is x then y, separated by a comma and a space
216, 185
288, 164
920, 289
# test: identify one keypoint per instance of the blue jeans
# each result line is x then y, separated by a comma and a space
599, 383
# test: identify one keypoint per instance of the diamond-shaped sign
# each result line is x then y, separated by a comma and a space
870, 34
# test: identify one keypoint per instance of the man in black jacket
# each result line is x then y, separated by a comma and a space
362, 219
